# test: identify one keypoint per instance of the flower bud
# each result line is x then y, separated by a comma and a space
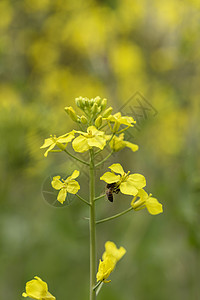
103, 104
107, 112
97, 100
98, 121
94, 109
83, 120
78, 102
70, 111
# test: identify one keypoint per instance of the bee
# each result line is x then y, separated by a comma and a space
111, 188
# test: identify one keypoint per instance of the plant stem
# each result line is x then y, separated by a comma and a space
115, 216
92, 228
85, 201
99, 197
101, 162
80, 160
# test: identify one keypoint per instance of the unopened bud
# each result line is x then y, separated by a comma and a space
70, 111
94, 108
83, 120
103, 104
98, 121
97, 100
107, 112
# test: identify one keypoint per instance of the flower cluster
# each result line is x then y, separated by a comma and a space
37, 289
109, 260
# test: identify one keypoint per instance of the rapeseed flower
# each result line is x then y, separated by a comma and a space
128, 184
92, 138
109, 260
37, 289
118, 120
145, 200
60, 141
117, 143
65, 186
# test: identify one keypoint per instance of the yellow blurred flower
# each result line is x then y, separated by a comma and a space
128, 184
57, 141
37, 289
110, 257
145, 200
117, 143
89, 139
68, 185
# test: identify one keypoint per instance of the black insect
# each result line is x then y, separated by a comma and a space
111, 188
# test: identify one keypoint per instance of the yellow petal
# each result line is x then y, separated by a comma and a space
153, 206
117, 168
132, 146
56, 183
73, 187
138, 180
47, 143
62, 195
92, 130
97, 141
36, 288
24, 295
80, 144
49, 149
105, 268
110, 177
111, 249
74, 175
128, 188
66, 139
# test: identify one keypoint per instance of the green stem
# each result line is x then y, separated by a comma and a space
85, 201
102, 161
99, 197
80, 160
96, 286
92, 229
122, 130
115, 216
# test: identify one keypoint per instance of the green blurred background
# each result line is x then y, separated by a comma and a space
54, 51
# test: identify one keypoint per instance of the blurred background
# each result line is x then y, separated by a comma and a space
143, 56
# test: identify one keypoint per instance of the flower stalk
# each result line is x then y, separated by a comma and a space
92, 228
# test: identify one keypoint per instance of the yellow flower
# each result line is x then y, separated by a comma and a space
112, 251
110, 257
117, 143
145, 200
89, 139
68, 185
105, 268
128, 184
118, 120
37, 289
57, 141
